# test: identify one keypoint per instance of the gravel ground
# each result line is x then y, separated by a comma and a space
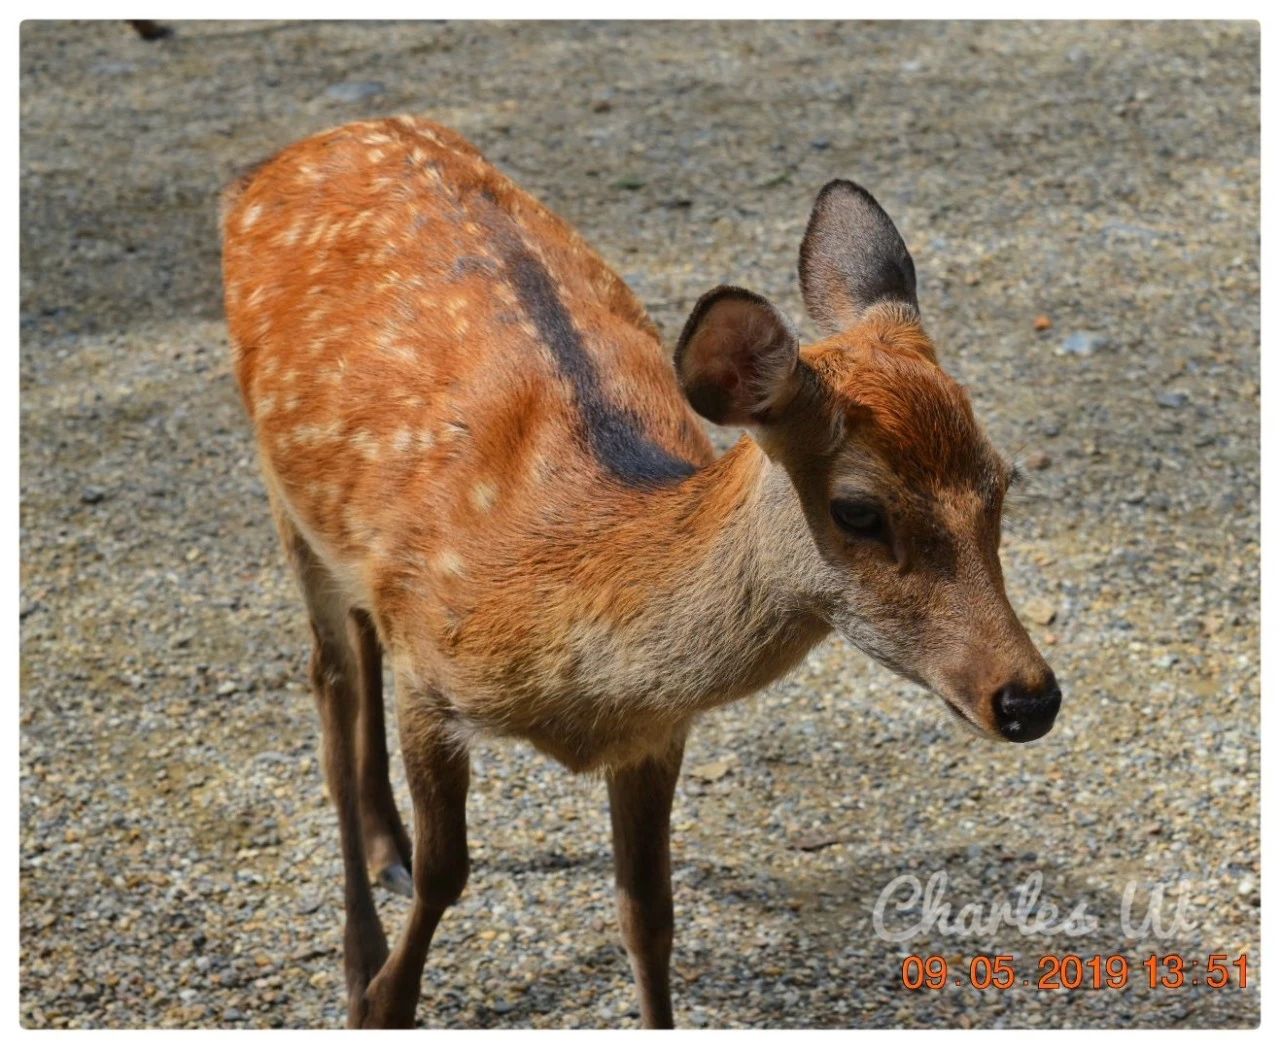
179, 862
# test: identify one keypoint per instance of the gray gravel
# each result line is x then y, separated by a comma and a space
1082, 203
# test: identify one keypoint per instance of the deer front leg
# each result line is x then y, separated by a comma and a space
439, 772
640, 810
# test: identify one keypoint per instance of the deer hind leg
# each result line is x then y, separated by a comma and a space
439, 772
640, 810
335, 680
386, 845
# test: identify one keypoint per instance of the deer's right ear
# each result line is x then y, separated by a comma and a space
737, 358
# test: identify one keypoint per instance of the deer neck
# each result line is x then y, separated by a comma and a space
737, 607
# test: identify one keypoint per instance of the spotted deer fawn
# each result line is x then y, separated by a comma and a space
482, 463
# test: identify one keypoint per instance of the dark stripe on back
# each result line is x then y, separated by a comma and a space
614, 435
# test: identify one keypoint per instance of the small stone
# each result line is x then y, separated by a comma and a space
1037, 460
814, 842
1172, 399
1042, 322
713, 770
92, 495
1040, 611
355, 90
1083, 343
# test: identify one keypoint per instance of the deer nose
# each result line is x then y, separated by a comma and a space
1024, 714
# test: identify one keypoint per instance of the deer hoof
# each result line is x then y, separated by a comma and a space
395, 878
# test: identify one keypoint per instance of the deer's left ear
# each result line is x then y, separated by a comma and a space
852, 257
737, 358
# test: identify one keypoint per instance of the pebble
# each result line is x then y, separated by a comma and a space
1084, 343
355, 90
1040, 611
713, 770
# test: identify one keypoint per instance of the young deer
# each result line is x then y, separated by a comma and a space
482, 462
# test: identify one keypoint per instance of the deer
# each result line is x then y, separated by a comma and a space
485, 468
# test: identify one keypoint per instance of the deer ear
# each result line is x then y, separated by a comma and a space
737, 358
852, 257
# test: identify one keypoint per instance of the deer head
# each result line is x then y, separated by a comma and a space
901, 491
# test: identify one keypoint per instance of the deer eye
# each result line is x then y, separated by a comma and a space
859, 518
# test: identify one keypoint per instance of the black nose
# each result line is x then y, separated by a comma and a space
1023, 714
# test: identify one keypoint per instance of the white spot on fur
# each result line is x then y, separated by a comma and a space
447, 562
317, 231
404, 352
483, 496
290, 236
366, 444
324, 492
251, 215
317, 433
